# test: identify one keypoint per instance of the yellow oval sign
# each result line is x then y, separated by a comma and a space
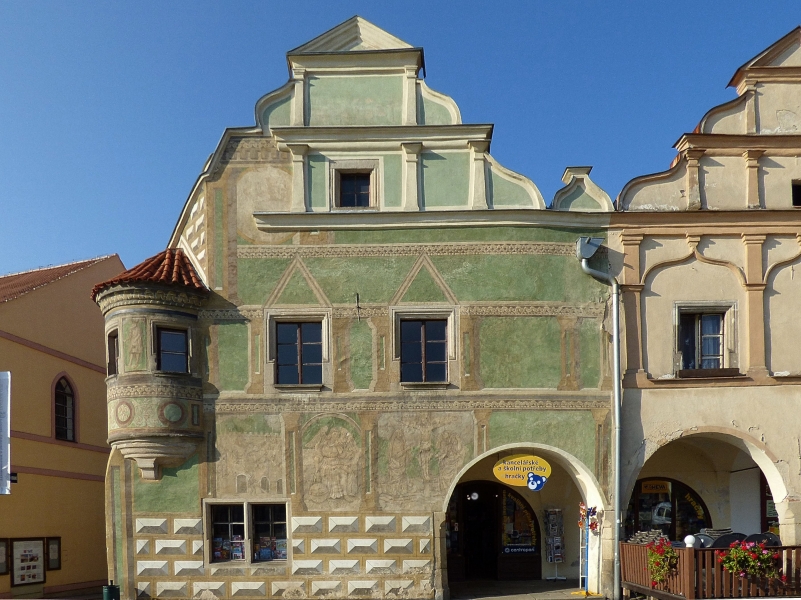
523, 470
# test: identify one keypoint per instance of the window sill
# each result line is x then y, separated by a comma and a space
425, 385
708, 373
299, 387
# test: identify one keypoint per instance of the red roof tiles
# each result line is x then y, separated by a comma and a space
15, 285
170, 267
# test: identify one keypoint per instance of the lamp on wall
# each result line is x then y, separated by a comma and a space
586, 247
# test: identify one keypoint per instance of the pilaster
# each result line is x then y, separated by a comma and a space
299, 153
692, 180
478, 183
631, 289
410, 96
298, 109
755, 311
411, 159
752, 177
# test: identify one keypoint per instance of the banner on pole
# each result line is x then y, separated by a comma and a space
5, 432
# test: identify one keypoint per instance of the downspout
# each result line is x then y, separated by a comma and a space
617, 402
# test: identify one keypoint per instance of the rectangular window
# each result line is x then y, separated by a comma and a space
424, 351
269, 531
701, 340
299, 353
354, 190
173, 350
113, 353
227, 532
797, 193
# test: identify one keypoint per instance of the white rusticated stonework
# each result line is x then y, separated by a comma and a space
398, 546
143, 546
187, 526
248, 588
215, 587
170, 546
151, 526
325, 588
326, 546
343, 524
299, 546
416, 566
279, 588
380, 566
397, 586
171, 589
143, 589
146, 568
362, 588
307, 524
362, 546
197, 546
188, 567
307, 567
425, 546
343, 567
416, 524
379, 524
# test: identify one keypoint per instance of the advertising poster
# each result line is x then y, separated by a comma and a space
5, 432
28, 562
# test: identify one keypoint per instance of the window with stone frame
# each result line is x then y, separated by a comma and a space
299, 353
424, 350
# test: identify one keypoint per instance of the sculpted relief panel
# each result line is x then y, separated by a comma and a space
333, 464
250, 455
419, 456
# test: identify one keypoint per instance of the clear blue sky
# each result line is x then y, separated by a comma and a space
108, 110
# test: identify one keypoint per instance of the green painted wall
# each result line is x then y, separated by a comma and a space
590, 352
118, 501
445, 178
232, 349
277, 114
297, 291
393, 173
316, 425
572, 431
257, 277
361, 355
578, 199
318, 192
433, 113
507, 193
219, 240
464, 234
516, 277
520, 352
424, 289
247, 424
176, 492
375, 279
365, 100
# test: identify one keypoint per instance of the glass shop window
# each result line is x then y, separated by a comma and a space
227, 532
666, 505
269, 531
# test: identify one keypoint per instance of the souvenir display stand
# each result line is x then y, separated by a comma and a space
554, 540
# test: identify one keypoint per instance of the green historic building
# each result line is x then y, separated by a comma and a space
360, 312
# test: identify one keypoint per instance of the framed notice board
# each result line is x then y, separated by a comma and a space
28, 561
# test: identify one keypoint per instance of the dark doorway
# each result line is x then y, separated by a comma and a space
492, 533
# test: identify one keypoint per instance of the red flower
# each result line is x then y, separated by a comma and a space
784, 578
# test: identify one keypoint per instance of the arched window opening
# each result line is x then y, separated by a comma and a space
65, 411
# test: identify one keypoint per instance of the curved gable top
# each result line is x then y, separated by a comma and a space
355, 34
581, 193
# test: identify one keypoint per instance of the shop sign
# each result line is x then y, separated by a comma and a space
523, 470
519, 549
655, 487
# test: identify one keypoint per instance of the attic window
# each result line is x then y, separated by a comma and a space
797, 194
354, 184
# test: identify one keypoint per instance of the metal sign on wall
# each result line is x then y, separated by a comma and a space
5, 432
523, 470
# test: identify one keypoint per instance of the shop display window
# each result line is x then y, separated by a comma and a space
666, 505
269, 531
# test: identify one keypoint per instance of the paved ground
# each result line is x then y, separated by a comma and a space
517, 590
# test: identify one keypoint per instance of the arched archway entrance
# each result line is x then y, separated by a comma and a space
500, 534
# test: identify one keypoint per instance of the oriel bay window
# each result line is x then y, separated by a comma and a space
424, 351
299, 353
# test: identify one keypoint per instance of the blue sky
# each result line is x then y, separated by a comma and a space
108, 110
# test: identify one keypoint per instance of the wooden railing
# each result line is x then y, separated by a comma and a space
700, 575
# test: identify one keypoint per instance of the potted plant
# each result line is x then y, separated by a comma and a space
662, 561
751, 560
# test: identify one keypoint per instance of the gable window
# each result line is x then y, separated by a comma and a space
65, 411
113, 353
173, 350
424, 351
299, 353
354, 184
704, 342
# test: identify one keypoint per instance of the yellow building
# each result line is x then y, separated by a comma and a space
51, 341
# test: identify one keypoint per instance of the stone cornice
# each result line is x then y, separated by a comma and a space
154, 390
132, 295
370, 250
389, 137
735, 145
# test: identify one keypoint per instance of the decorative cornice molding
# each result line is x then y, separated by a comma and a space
253, 149
535, 309
381, 250
118, 296
306, 404
157, 390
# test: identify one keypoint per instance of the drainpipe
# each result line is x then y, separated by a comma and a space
585, 249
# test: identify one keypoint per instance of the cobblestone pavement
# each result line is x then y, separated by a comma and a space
517, 590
